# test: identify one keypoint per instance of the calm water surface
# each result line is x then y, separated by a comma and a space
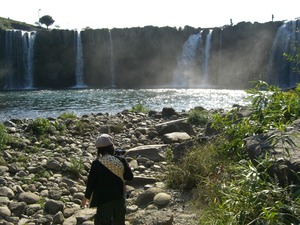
49, 103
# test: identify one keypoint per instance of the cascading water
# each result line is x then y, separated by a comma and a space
187, 71
19, 50
28, 46
9, 59
79, 62
280, 71
206, 57
112, 66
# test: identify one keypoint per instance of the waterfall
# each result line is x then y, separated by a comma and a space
8, 51
280, 71
79, 61
112, 66
206, 57
221, 46
186, 73
18, 56
28, 50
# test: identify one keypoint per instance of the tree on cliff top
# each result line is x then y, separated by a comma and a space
47, 20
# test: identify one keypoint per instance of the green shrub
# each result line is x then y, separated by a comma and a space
3, 136
59, 126
39, 126
233, 191
272, 106
74, 169
198, 117
270, 109
66, 115
195, 165
139, 108
250, 198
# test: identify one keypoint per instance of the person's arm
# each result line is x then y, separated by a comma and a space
91, 182
128, 175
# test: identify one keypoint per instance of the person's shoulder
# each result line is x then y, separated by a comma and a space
120, 157
96, 162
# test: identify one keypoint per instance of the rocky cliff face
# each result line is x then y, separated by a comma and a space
227, 57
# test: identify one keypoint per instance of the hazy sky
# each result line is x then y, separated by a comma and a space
72, 14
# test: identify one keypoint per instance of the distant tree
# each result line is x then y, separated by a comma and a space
47, 20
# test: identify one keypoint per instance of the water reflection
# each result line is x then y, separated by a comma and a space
46, 103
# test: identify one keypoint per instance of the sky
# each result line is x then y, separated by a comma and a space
78, 14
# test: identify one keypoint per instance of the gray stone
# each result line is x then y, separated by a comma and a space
28, 197
7, 192
32, 209
4, 211
162, 199
152, 152
146, 197
17, 208
140, 181
4, 200
54, 165
175, 137
58, 218
53, 206
70, 221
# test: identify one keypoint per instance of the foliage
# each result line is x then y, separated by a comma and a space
7, 24
295, 58
42, 173
39, 126
47, 20
195, 165
198, 117
3, 136
270, 109
66, 115
221, 174
139, 108
250, 198
59, 126
4, 24
272, 106
74, 169
234, 130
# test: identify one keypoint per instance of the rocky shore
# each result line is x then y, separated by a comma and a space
39, 183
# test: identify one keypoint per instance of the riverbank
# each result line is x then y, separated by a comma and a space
43, 175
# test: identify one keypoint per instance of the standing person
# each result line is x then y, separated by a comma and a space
106, 184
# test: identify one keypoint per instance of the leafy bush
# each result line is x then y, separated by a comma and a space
3, 136
66, 115
196, 164
270, 109
249, 198
198, 117
39, 126
294, 58
75, 168
271, 106
234, 191
139, 108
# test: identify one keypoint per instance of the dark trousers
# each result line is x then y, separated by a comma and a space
111, 213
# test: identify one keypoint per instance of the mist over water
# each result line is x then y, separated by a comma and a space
46, 103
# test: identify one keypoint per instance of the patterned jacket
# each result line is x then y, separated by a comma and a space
106, 179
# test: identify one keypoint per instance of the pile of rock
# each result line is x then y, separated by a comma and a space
28, 196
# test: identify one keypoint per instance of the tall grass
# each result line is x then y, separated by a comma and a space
225, 183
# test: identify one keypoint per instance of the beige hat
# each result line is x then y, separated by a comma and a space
104, 140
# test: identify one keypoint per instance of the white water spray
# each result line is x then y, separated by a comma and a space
79, 62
